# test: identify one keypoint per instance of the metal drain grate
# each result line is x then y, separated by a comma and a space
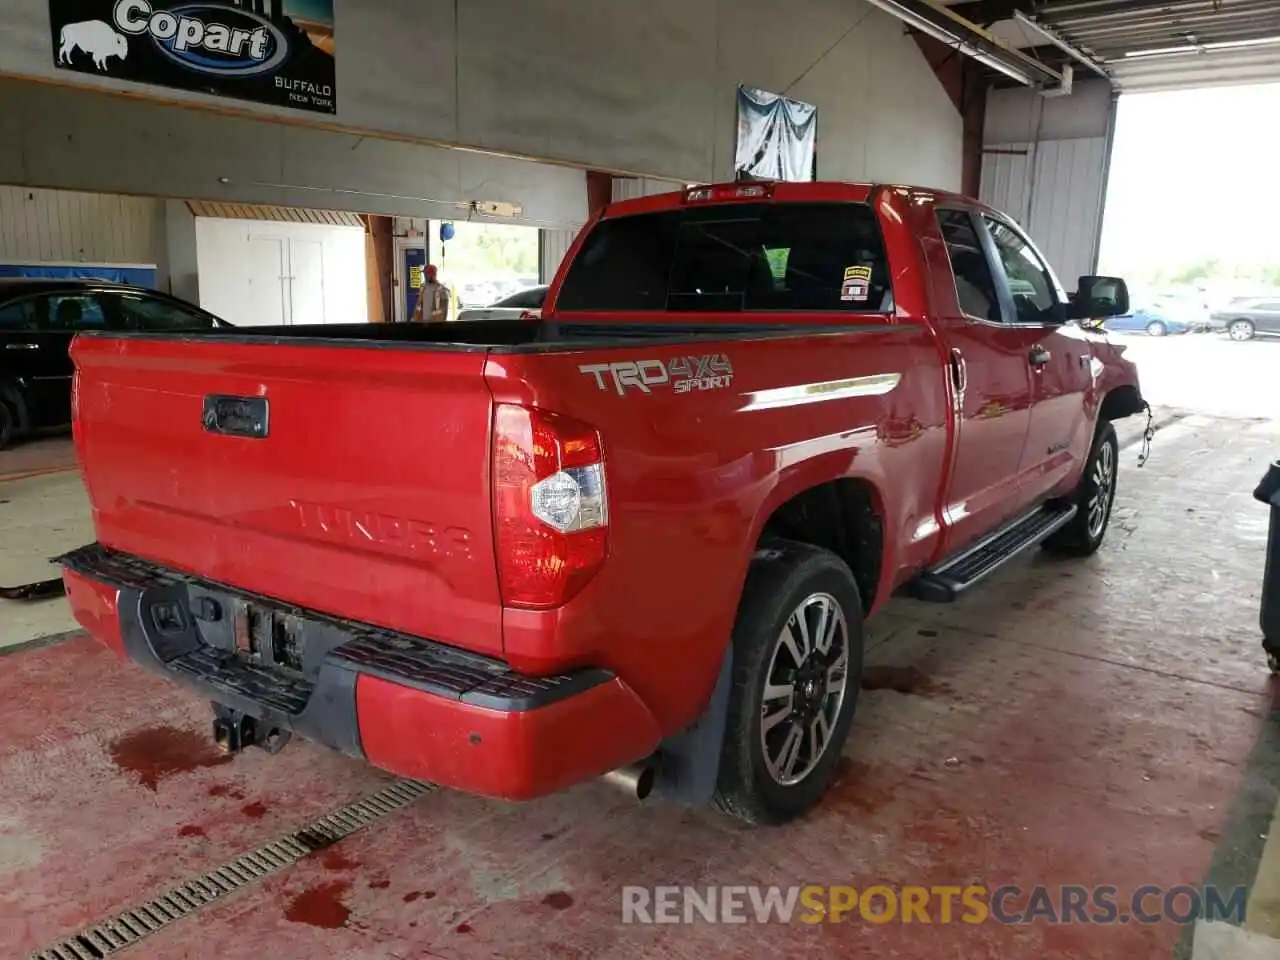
126, 929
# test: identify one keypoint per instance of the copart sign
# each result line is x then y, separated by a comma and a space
271, 51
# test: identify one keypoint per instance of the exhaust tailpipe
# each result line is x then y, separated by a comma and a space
636, 779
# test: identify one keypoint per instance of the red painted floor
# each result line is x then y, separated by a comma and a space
1053, 728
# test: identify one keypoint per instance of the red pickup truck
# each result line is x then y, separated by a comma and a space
639, 536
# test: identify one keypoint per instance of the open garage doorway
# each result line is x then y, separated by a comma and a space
1190, 223
485, 264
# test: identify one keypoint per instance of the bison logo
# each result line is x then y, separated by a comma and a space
93, 37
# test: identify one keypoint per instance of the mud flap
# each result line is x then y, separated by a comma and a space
689, 762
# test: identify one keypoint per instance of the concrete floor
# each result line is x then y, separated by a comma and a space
1101, 722
1209, 373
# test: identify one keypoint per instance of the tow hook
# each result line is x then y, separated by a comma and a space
233, 730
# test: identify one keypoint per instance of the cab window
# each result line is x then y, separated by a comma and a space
734, 258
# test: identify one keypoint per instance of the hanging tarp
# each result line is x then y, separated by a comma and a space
776, 136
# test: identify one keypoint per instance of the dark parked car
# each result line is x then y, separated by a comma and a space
1151, 322
1242, 319
38, 318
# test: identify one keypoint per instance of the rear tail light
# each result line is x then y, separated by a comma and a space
550, 505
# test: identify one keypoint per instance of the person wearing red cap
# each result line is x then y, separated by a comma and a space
433, 299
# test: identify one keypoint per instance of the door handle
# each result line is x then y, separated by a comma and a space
959, 371
22, 346
1039, 356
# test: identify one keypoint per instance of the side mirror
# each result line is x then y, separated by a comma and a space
1097, 298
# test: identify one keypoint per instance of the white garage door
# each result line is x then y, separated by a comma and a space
261, 273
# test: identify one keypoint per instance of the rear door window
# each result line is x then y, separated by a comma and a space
975, 283
734, 257
69, 313
147, 313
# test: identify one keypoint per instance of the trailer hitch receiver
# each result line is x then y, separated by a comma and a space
233, 730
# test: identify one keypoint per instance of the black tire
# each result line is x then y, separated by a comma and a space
1241, 330
1156, 328
785, 575
1083, 535
8, 423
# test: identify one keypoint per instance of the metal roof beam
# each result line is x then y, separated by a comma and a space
972, 41
987, 12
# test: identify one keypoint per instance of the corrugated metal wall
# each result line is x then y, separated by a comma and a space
63, 226
1044, 163
629, 188
1054, 189
555, 244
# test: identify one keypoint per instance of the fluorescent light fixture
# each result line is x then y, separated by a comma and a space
1204, 47
1161, 52
913, 19
1061, 43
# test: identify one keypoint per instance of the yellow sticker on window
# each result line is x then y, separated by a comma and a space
857, 284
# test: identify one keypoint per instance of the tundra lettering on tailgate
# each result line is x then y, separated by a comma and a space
414, 538
709, 371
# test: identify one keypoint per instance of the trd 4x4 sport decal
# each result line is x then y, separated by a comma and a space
709, 371
272, 51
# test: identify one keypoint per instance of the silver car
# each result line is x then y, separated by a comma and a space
1244, 318
526, 304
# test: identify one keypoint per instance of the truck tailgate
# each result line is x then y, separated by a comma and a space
368, 497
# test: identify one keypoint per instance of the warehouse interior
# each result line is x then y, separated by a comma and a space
1089, 750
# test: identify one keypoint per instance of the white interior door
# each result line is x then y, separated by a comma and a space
258, 273
264, 302
306, 282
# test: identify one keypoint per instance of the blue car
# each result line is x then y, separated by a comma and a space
1147, 321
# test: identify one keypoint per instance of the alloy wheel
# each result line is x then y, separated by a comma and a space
805, 687
1241, 330
1104, 480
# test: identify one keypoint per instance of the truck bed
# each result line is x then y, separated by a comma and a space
503, 335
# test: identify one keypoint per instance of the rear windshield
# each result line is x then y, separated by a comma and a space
753, 256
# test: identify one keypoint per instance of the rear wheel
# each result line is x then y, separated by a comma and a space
797, 666
1156, 328
1241, 329
1093, 498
